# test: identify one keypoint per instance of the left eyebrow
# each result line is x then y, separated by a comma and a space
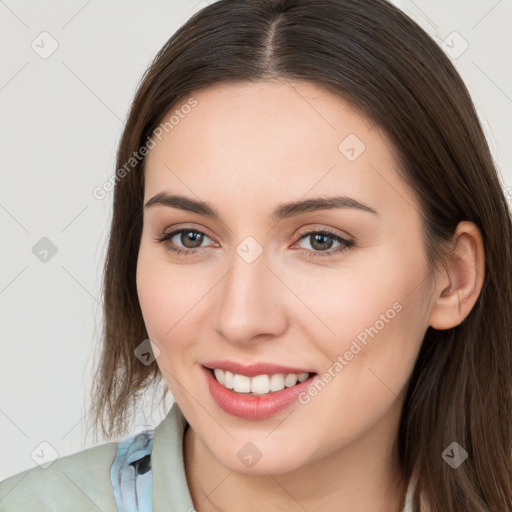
281, 212
287, 210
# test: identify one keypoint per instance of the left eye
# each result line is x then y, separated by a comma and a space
323, 240
320, 241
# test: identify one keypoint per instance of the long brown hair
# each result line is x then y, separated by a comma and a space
372, 55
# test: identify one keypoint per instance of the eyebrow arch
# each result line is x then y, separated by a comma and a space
281, 212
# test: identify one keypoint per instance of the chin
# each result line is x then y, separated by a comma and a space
261, 457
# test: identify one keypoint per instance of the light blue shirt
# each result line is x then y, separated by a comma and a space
143, 472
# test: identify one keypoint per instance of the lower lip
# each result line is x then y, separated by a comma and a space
253, 407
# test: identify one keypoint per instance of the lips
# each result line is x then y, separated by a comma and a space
251, 370
254, 407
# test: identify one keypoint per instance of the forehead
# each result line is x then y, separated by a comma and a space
271, 141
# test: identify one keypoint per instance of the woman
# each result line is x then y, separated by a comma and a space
311, 248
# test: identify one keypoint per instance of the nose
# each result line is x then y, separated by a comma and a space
250, 302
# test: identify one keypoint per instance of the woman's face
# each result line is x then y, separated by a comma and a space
263, 283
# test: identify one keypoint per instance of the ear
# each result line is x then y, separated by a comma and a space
459, 287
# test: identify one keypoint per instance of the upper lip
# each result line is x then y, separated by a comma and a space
251, 370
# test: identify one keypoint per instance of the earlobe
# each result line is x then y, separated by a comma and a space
459, 288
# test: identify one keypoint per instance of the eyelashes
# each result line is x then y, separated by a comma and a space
314, 236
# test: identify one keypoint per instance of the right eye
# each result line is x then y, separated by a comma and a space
190, 238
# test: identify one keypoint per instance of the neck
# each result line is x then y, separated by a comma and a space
356, 479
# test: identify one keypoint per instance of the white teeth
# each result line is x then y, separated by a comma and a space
228, 379
260, 384
291, 380
219, 375
302, 377
241, 383
277, 382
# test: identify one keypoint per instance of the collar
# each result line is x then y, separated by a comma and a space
170, 487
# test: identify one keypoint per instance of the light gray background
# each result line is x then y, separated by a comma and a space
60, 123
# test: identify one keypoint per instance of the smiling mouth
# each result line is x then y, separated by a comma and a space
264, 384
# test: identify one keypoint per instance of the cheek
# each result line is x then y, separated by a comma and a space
370, 315
369, 359
171, 298
162, 294
164, 303
151, 293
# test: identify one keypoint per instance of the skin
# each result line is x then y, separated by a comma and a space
244, 149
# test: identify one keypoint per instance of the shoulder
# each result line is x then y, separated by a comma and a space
80, 481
